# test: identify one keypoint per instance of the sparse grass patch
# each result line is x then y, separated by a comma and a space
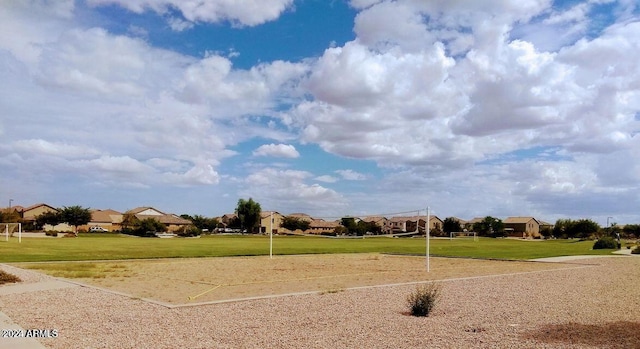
422, 301
6, 278
87, 270
332, 290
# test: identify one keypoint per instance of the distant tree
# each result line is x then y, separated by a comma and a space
631, 231
350, 224
546, 231
584, 228
294, 223
129, 222
368, 227
149, 226
562, 229
9, 216
248, 212
75, 216
49, 217
340, 230
451, 224
489, 226
201, 222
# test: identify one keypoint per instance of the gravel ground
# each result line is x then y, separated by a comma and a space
591, 307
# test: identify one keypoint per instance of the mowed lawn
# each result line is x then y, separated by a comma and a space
115, 247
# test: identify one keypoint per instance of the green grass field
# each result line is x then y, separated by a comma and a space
114, 247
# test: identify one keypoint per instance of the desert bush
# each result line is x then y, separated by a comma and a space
6, 278
422, 301
606, 242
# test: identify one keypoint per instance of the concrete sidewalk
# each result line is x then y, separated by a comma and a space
7, 324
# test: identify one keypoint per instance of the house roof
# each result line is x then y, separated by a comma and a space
320, 223
301, 216
375, 219
33, 207
265, 214
106, 216
146, 210
475, 220
519, 220
164, 218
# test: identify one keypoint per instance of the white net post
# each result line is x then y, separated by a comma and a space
6, 231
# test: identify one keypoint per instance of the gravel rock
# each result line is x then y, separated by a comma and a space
591, 307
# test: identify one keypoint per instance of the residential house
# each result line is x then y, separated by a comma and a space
109, 219
382, 222
320, 226
29, 214
406, 224
171, 221
525, 227
435, 224
469, 224
271, 220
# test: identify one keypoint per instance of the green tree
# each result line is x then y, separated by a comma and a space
368, 227
631, 230
9, 216
129, 222
202, 222
350, 224
563, 228
489, 226
293, 223
75, 216
248, 212
451, 224
584, 228
149, 226
50, 217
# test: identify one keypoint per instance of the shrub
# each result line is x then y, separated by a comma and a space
6, 278
606, 242
636, 250
51, 233
422, 301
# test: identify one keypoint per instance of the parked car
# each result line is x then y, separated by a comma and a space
98, 230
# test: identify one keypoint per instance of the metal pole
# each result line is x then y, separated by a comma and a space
427, 234
271, 235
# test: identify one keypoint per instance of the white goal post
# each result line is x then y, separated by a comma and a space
5, 229
463, 234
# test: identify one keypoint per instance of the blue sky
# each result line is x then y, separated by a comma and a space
502, 108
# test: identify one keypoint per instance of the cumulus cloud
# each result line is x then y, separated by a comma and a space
448, 98
290, 191
351, 175
277, 150
244, 12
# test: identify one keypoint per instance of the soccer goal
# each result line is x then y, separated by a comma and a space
463, 234
10, 228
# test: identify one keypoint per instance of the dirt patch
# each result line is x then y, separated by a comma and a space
199, 280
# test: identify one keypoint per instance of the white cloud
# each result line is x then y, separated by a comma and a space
288, 191
351, 175
241, 12
327, 179
447, 97
277, 150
